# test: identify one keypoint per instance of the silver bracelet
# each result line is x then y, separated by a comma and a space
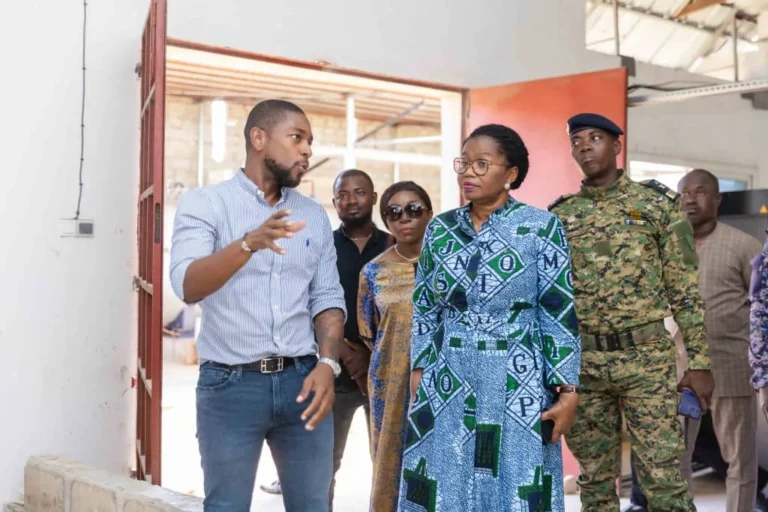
333, 364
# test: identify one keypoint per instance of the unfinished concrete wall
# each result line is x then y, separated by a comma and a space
182, 151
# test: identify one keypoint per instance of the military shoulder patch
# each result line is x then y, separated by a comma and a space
661, 189
560, 200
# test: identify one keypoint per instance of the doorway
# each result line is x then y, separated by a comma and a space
393, 131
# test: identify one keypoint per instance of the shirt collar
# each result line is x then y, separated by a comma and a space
617, 187
374, 236
465, 221
254, 190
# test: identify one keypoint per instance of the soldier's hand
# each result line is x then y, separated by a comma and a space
563, 413
702, 383
763, 394
273, 229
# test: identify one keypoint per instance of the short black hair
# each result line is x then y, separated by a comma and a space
352, 173
265, 115
708, 176
402, 186
510, 144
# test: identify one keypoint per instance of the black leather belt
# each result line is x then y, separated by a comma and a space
612, 342
269, 365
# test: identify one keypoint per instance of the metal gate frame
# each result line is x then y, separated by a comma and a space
148, 282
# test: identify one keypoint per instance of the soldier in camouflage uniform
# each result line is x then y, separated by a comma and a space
758, 328
634, 264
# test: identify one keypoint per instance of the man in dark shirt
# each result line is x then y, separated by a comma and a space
357, 241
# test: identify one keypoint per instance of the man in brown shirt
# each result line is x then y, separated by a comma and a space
725, 271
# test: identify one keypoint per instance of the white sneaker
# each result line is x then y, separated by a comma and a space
273, 488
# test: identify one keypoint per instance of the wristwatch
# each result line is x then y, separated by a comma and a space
244, 244
568, 388
333, 364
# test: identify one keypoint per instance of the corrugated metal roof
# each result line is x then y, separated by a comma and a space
202, 75
650, 32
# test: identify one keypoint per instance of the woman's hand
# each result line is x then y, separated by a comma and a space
563, 413
415, 381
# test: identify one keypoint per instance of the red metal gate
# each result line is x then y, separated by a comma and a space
149, 281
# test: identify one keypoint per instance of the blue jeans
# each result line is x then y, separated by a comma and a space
236, 412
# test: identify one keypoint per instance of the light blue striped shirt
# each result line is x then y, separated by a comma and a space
267, 308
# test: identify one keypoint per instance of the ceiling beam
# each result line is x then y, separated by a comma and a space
389, 122
713, 44
628, 7
696, 6
261, 78
377, 155
699, 92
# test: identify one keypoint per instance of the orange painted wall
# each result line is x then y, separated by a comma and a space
538, 111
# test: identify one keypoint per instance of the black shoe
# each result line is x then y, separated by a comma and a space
634, 508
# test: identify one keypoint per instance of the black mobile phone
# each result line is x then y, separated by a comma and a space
547, 429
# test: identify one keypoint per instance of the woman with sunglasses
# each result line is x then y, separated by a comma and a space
495, 352
384, 319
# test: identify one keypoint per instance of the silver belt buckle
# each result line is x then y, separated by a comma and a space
264, 362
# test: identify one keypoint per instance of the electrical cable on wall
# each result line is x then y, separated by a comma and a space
82, 121
667, 86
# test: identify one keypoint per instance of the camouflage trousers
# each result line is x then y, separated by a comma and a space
640, 384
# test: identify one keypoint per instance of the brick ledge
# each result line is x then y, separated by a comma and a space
55, 483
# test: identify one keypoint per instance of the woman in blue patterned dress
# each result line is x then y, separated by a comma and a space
494, 340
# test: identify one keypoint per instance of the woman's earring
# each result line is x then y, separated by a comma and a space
507, 186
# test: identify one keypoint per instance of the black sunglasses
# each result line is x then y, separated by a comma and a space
393, 212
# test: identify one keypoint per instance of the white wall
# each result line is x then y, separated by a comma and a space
67, 309
458, 43
450, 41
723, 134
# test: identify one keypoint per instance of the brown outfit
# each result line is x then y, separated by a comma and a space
724, 276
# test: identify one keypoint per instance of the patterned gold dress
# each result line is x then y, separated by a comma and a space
384, 318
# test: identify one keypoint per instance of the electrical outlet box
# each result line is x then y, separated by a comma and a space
77, 228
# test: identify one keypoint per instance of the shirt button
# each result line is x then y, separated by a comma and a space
274, 274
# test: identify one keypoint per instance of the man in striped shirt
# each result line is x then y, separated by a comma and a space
259, 257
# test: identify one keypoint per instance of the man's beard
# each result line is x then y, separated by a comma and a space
282, 176
356, 222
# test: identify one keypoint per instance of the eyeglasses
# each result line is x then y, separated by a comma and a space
460, 165
394, 212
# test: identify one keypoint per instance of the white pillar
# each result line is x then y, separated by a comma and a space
200, 147
450, 127
760, 126
350, 162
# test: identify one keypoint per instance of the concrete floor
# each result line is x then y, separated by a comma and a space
181, 459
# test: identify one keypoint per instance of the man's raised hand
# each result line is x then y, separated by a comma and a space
274, 228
